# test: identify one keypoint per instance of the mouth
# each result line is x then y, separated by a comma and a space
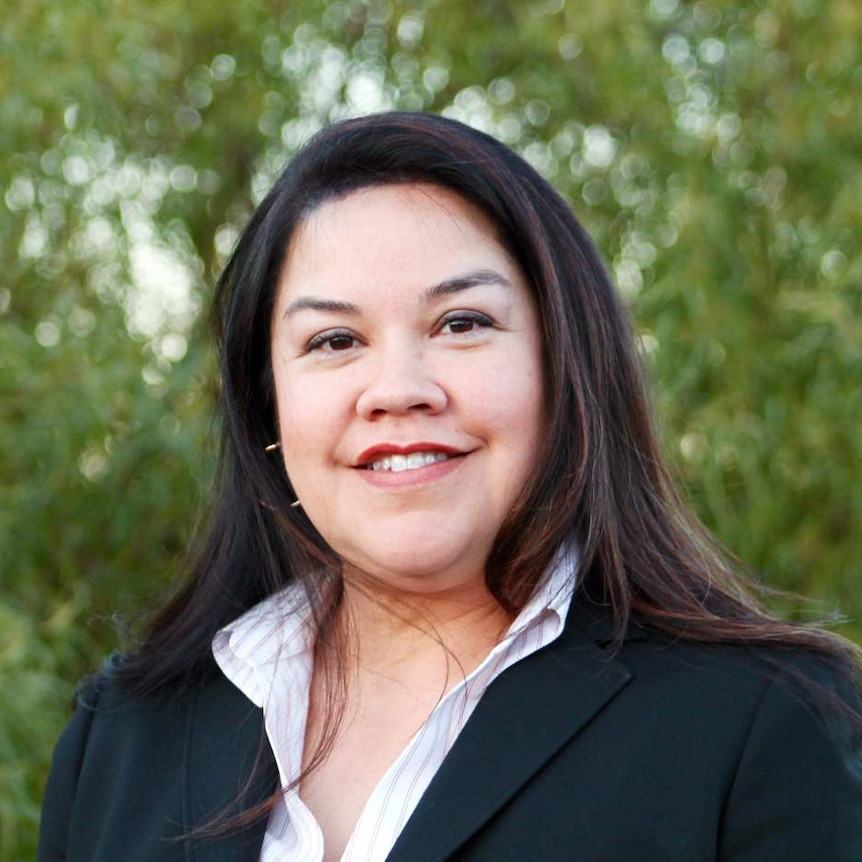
400, 463
392, 458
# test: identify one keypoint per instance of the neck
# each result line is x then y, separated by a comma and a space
392, 628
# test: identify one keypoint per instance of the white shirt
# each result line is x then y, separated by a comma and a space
267, 655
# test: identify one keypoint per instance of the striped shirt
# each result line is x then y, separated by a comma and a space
267, 655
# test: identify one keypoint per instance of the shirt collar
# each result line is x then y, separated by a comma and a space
553, 593
281, 626
248, 649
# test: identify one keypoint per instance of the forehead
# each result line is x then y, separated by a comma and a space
388, 224
420, 198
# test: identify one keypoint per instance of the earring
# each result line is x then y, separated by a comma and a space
296, 504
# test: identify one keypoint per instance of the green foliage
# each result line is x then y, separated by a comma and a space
712, 148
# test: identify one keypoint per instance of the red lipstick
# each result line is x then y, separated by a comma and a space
382, 450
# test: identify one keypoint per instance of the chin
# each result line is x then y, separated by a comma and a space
416, 571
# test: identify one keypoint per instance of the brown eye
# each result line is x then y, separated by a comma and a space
460, 325
332, 341
464, 322
340, 342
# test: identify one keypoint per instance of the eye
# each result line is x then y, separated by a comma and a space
464, 322
332, 341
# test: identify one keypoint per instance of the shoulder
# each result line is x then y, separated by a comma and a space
731, 706
704, 672
111, 736
107, 714
780, 727
797, 784
742, 681
123, 767
761, 744
752, 670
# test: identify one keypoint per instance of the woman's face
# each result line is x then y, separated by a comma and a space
407, 360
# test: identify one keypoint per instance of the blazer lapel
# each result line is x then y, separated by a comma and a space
527, 714
225, 742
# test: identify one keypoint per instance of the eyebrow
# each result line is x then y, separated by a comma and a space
474, 278
315, 304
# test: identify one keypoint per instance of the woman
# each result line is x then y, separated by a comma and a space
449, 606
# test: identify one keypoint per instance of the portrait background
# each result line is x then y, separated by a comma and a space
711, 148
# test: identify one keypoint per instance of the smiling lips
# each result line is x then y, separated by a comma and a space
389, 458
413, 461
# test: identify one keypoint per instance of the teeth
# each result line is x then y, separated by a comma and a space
413, 461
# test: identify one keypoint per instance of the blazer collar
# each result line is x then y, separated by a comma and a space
524, 718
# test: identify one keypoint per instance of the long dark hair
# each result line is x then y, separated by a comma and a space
600, 479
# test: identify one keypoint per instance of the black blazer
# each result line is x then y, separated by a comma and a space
664, 752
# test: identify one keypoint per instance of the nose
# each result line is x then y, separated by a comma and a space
400, 383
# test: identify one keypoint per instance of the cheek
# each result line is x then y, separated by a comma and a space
306, 422
509, 409
526, 415
513, 395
